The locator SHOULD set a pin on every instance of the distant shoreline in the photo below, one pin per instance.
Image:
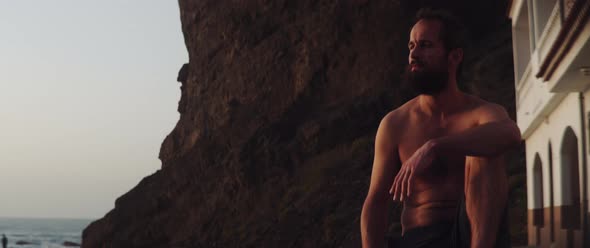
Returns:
(49, 218)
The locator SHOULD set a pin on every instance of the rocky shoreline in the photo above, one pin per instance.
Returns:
(279, 107)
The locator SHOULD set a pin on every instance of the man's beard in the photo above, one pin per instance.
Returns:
(427, 82)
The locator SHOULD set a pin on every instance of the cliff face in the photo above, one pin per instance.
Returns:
(279, 108)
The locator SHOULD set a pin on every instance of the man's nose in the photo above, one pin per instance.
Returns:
(413, 58)
(414, 55)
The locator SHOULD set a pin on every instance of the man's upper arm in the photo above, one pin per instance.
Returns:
(386, 161)
(491, 112)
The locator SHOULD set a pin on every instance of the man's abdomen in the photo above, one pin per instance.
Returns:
(431, 203)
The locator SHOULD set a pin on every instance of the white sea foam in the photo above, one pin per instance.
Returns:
(42, 233)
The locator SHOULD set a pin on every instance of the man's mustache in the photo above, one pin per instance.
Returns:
(416, 62)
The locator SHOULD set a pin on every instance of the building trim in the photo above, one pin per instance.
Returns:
(540, 234)
(515, 11)
(572, 27)
(551, 104)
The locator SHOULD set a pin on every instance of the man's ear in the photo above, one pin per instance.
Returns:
(456, 55)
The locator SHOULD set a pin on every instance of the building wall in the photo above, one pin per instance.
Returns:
(548, 220)
(549, 111)
(534, 97)
(587, 153)
(552, 130)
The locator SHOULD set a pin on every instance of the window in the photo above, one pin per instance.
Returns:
(531, 10)
(543, 10)
(521, 42)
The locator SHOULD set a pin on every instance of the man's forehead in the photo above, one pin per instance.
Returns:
(426, 30)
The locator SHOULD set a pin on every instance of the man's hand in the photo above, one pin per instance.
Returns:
(416, 164)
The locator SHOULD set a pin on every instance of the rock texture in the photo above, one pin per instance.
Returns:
(279, 108)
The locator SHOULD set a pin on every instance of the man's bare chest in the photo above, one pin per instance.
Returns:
(420, 131)
(447, 170)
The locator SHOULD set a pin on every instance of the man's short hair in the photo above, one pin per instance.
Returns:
(452, 33)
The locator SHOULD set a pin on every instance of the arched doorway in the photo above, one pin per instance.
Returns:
(551, 202)
(538, 218)
(570, 181)
(570, 188)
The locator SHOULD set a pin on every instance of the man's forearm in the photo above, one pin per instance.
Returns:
(486, 198)
(489, 139)
(374, 224)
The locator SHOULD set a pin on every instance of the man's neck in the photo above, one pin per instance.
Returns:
(444, 103)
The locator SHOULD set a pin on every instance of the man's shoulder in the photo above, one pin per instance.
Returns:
(400, 113)
(398, 117)
(483, 111)
(479, 104)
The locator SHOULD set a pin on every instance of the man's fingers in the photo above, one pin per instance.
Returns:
(393, 184)
(410, 177)
(391, 192)
(391, 188)
(397, 184)
(404, 185)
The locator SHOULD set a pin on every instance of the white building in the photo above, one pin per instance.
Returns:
(552, 79)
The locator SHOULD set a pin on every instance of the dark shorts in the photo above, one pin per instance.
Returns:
(452, 234)
(438, 235)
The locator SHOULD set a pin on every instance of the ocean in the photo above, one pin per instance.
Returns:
(42, 233)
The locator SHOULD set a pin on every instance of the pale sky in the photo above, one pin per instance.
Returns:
(88, 93)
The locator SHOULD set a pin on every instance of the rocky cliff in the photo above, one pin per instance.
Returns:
(279, 108)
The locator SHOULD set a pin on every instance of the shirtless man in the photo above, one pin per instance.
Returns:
(440, 153)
